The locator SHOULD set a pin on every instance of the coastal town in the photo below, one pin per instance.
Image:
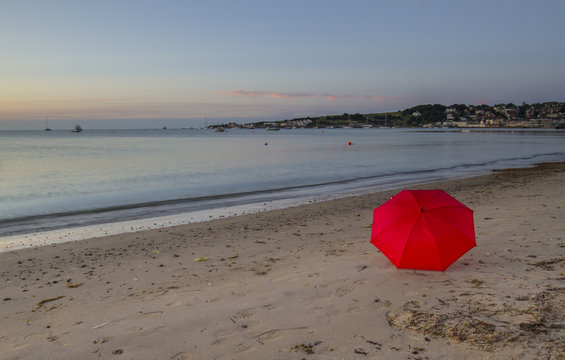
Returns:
(538, 115)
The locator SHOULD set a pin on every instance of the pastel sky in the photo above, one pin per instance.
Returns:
(122, 63)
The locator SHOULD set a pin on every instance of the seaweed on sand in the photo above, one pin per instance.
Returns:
(539, 319)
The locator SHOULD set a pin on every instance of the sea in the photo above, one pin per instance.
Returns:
(61, 186)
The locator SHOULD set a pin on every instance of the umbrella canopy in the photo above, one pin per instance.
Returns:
(423, 229)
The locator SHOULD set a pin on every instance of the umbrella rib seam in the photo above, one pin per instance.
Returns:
(393, 223)
(462, 235)
(447, 206)
(408, 239)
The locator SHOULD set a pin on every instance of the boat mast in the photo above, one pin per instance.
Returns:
(46, 126)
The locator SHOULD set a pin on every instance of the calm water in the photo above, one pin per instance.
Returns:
(60, 179)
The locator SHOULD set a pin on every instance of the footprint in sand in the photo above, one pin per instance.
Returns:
(249, 325)
(412, 305)
(277, 333)
(382, 303)
(130, 319)
(223, 334)
(338, 310)
(239, 349)
(220, 334)
(244, 314)
(315, 310)
(342, 291)
(271, 307)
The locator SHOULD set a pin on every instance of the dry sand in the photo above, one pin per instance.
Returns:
(299, 283)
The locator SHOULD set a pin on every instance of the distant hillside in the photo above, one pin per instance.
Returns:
(538, 115)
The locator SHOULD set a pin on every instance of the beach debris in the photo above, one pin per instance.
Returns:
(377, 345)
(234, 256)
(361, 268)
(72, 286)
(461, 327)
(360, 351)
(54, 306)
(261, 269)
(201, 259)
(102, 325)
(307, 348)
(118, 352)
(416, 349)
(42, 302)
(534, 327)
(476, 282)
(385, 303)
(182, 355)
(548, 264)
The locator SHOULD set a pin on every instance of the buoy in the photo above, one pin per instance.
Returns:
(323, 132)
(266, 144)
(349, 143)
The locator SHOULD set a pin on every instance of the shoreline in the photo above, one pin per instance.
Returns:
(320, 194)
(96, 230)
(288, 282)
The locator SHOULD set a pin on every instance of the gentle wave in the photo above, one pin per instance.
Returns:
(356, 185)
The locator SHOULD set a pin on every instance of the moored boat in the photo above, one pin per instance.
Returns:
(47, 128)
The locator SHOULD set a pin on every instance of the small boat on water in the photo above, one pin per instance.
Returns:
(77, 129)
(47, 126)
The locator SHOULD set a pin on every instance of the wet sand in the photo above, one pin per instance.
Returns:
(302, 282)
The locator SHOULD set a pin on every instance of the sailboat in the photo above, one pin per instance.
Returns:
(47, 126)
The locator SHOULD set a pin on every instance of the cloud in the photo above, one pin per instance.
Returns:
(382, 98)
(284, 95)
(274, 95)
(332, 97)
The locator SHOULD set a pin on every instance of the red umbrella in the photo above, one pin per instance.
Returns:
(423, 229)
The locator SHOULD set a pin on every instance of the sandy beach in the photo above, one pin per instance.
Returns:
(301, 283)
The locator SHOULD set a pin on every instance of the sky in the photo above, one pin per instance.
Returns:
(127, 64)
